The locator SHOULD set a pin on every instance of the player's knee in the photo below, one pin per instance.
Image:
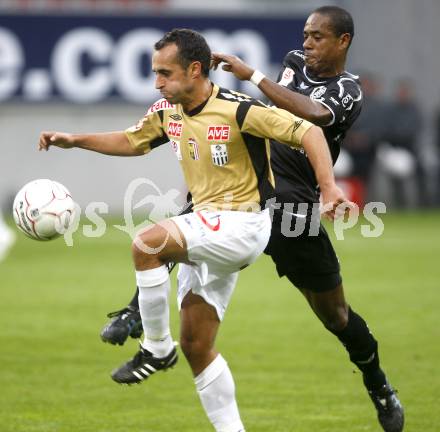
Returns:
(142, 252)
(337, 319)
(193, 348)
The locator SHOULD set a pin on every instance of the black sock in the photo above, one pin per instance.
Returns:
(362, 349)
(134, 303)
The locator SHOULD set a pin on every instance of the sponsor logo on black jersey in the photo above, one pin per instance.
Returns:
(318, 92)
(287, 77)
(176, 117)
(218, 133)
(347, 101)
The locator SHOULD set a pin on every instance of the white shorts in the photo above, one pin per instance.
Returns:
(219, 245)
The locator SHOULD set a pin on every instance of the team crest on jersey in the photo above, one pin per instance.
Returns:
(219, 154)
(287, 77)
(175, 129)
(218, 133)
(176, 147)
(160, 105)
(193, 149)
(318, 92)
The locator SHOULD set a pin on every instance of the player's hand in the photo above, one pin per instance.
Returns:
(58, 139)
(334, 203)
(232, 64)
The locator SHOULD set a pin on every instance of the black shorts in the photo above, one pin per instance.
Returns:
(309, 262)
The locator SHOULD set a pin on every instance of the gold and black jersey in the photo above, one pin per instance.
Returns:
(222, 145)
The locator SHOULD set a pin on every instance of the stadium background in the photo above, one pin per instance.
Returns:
(291, 375)
(84, 66)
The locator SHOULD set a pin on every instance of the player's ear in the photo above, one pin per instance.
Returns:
(195, 69)
(345, 40)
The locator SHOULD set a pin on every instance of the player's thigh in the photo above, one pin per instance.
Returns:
(215, 289)
(163, 240)
(309, 262)
(225, 241)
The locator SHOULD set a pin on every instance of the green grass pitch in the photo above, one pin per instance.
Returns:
(291, 375)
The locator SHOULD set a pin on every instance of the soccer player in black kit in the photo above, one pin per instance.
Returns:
(314, 85)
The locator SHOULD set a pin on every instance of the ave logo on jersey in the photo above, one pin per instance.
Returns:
(193, 149)
(318, 92)
(287, 77)
(175, 129)
(218, 133)
(176, 148)
(219, 154)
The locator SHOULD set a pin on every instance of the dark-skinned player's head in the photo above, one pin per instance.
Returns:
(328, 33)
(340, 20)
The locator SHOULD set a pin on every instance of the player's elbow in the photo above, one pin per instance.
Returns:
(319, 117)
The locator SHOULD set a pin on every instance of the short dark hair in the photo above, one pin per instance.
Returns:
(191, 47)
(340, 20)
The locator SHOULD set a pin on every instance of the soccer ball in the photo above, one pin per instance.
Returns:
(43, 209)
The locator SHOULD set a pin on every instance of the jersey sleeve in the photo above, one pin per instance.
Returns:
(339, 98)
(274, 123)
(148, 133)
(291, 62)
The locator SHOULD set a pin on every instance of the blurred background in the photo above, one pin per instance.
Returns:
(84, 65)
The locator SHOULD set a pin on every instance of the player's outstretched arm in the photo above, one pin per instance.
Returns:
(334, 201)
(298, 104)
(110, 143)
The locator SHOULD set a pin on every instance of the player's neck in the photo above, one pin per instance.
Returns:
(332, 70)
(200, 95)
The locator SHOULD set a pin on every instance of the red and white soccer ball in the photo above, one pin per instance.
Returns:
(43, 209)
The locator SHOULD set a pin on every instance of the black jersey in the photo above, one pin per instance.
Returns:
(294, 176)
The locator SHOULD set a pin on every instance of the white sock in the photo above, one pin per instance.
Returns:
(154, 287)
(216, 389)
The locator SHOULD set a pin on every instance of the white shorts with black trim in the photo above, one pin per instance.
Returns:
(219, 245)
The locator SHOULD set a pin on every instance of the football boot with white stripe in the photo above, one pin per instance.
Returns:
(388, 407)
(142, 366)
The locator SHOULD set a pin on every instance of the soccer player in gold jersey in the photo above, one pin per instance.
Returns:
(221, 139)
